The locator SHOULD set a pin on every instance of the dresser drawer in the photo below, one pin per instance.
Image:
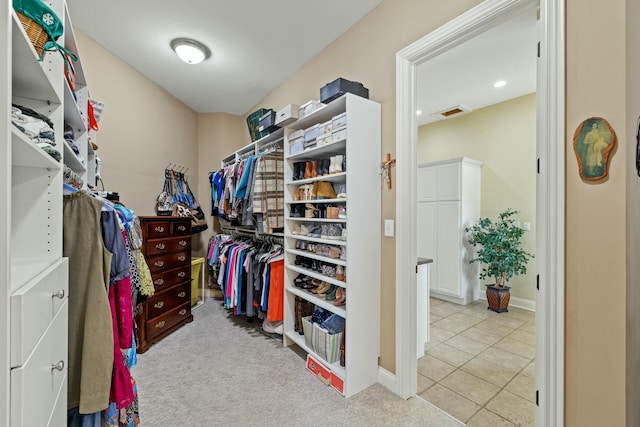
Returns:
(33, 307)
(163, 246)
(168, 261)
(157, 229)
(171, 318)
(181, 228)
(165, 279)
(164, 301)
(36, 385)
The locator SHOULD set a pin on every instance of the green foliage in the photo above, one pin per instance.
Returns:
(500, 252)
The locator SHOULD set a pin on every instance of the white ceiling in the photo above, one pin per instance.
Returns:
(259, 44)
(464, 75)
(256, 44)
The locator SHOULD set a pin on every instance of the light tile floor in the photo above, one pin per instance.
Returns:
(479, 365)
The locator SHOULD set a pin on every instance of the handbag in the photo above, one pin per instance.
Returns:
(164, 201)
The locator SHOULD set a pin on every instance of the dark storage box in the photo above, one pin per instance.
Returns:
(339, 87)
(253, 123)
(267, 122)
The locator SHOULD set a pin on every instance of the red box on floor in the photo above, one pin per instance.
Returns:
(325, 374)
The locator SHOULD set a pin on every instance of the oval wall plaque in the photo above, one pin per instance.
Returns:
(593, 140)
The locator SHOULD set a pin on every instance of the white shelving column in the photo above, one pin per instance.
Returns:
(361, 145)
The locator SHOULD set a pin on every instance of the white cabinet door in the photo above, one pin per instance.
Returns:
(448, 276)
(427, 184)
(428, 236)
(449, 181)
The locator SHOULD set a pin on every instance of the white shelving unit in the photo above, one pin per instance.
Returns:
(34, 284)
(363, 223)
(449, 201)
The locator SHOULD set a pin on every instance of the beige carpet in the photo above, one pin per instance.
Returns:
(222, 371)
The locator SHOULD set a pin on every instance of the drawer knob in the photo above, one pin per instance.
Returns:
(159, 229)
(182, 258)
(158, 263)
(59, 294)
(58, 366)
(182, 243)
(182, 227)
(159, 282)
(160, 324)
(182, 312)
(159, 304)
(182, 274)
(160, 246)
(182, 294)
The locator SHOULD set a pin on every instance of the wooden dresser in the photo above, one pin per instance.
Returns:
(167, 249)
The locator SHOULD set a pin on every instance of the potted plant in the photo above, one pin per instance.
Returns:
(500, 254)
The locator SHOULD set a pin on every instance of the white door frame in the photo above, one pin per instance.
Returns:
(549, 201)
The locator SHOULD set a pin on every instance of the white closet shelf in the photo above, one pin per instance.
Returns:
(328, 201)
(25, 269)
(72, 160)
(322, 258)
(72, 114)
(30, 79)
(320, 151)
(328, 220)
(25, 152)
(318, 276)
(316, 239)
(299, 340)
(336, 177)
(319, 302)
(70, 45)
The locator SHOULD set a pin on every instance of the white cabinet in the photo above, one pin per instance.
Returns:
(449, 201)
(34, 275)
(358, 149)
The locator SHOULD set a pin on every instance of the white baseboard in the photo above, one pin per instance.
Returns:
(388, 379)
(525, 304)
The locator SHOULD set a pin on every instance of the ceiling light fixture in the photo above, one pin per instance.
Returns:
(190, 51)
(499, 83)
(418, 112)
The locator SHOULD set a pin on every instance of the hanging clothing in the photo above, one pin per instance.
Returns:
(90, 324)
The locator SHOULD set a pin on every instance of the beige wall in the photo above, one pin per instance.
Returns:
(633, 217)
(595, 220)
(366, 53)
(143, 129)
(503, 138)
(219, 135)
(152, 129)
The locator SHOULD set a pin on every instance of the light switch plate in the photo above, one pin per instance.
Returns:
(388, 227)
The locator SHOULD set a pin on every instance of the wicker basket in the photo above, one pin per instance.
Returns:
(36, 33)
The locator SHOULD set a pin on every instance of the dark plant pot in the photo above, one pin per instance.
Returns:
(498, 298)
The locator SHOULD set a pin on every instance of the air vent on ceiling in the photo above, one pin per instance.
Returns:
(451, 112)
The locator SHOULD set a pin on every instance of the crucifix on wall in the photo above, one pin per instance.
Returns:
(386, 170)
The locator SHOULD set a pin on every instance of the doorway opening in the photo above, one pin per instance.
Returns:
(475, 160)
(549, 216)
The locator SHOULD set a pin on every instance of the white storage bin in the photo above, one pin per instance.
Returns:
(308, 108)
(324, 139)
(326, 127)
(311, 133)
(339, 121)
(339, 135)
(287, 115)
(296, 146)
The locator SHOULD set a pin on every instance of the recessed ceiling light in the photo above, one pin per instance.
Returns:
(499, 83)
(418, 112)
(190, 51)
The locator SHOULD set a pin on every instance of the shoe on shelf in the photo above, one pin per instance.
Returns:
(343, 253)
(322, 290)
(307, 170)
(340, 273)
(341, 297)
(338, 164)
(315, 231)
(331, 293)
